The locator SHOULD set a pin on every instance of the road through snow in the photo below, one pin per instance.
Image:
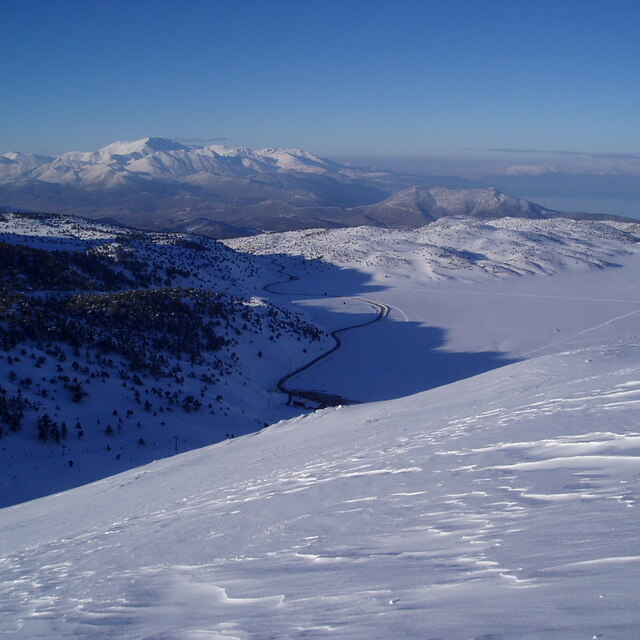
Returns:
(318, 399)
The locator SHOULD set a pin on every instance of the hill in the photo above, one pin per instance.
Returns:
(460, 248)
(492, 472)
(119, 347)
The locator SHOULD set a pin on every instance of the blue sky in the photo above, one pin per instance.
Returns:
(349, 77)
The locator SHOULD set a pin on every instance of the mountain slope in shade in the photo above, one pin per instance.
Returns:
(503, 506)
(118, 347)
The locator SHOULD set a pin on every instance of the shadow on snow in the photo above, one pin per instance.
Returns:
(386, 360)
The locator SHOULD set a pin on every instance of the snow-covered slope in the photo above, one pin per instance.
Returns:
(118, 347)
(632, 228)
(503, 506)
(130, 391)
(458, 247)
(473, 297)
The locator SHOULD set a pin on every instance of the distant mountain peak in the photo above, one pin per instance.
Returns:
(143, 145)
(418, 205)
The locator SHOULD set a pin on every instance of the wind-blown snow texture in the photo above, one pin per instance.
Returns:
(504, 506)
(501, 506)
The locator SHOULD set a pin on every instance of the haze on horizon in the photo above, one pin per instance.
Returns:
(544, 94)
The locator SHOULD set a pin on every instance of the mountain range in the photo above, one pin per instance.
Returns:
(164, 185)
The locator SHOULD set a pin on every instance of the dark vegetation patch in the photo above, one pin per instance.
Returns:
(138, 324)
(24, 268)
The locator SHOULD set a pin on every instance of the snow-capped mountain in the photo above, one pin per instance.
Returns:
(416, 206)
(162, 184)
(156, 159)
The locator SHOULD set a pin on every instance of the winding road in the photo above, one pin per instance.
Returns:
(303, 397)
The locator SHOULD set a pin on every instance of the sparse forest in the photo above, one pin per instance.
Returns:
(118, 332)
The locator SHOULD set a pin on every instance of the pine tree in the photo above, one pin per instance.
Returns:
(44, 425)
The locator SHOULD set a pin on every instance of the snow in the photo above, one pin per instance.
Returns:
(460, 248)
(235, 385)
(499, 503)
(455, 317)
(500, 506)
(159, 158)
(142, 146)
(434, 201)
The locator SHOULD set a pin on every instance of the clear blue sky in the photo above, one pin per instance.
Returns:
(349, 77)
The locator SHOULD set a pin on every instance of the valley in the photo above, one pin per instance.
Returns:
(490, 371)
(319, 320)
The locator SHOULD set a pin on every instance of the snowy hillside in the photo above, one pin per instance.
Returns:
(120, 347)
(472, 298)
(487, 489)
(503, 506)
(454, 248)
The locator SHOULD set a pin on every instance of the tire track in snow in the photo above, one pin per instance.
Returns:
(584, 331)
(514, 295)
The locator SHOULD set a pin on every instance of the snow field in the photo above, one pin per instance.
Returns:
(501, 506)
(469, 511)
